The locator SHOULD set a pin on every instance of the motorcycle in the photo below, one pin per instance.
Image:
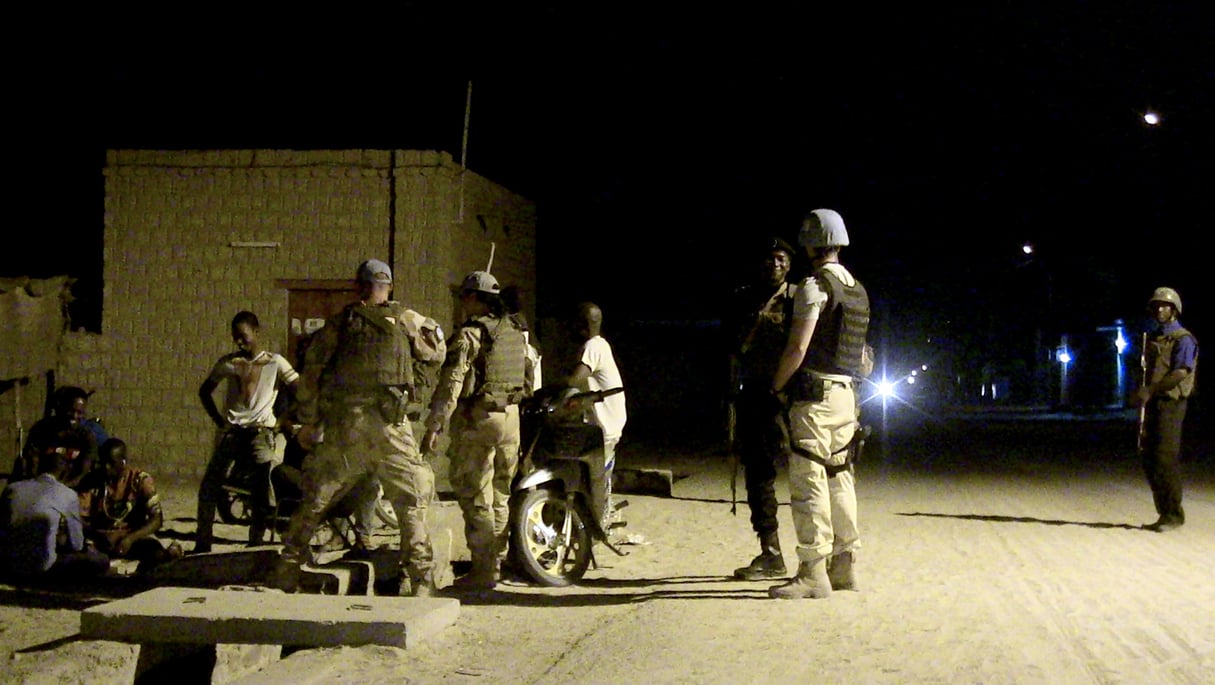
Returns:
(559, 501)
(236, 507)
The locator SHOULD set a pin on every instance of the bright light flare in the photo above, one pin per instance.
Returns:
(1151, 118)
(885, 388)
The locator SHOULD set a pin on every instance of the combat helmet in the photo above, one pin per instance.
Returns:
(481, 281)
(1166, 295)
(823, 228)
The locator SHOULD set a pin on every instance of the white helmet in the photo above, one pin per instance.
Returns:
(1167, 295)
(823, 228)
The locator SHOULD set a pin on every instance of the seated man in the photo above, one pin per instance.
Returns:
(41, 530)
(65, 432)
(122, 509)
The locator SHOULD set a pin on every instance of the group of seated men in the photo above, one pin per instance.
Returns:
(72, 502)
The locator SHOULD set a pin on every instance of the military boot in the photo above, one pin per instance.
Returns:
(839, 570)
(811, 582)
(769, 564)
(483, 576)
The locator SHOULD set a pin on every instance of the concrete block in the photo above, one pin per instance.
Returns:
(187, 664)
(251, 566)
(202, 616)
(341, 577)
(248, 566)
(657, 482)
(307, 667)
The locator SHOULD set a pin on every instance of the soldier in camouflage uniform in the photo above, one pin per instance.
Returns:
(479, 390)
(356, 378)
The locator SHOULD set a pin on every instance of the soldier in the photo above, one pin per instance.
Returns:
(353, 390)
(480, 386)
(1170, 362)
(823, 357)
(757, 324)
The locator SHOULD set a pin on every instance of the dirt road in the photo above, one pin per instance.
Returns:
(998, 553)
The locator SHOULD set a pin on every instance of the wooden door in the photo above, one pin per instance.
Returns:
(308, 304)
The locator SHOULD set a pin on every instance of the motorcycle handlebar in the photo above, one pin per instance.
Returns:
(558, 401)
(595, 395)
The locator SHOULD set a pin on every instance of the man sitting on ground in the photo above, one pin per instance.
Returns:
(122, 509)
(41, 530)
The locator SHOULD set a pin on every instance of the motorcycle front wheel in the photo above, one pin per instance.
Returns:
(236, 506)
(543, 551)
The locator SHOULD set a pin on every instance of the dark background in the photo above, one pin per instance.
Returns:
(662, 146)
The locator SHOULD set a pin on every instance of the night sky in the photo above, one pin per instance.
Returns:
(676, 141)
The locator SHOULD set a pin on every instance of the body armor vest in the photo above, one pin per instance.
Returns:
(838, 343)
(501, 367)
(372, 352)
(1159, 362)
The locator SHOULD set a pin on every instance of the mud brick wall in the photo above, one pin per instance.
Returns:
(192, 237)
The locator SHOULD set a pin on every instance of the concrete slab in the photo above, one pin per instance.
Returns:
(658, 482)
(202, 616)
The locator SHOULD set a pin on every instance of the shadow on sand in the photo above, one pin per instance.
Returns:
(1023, 519)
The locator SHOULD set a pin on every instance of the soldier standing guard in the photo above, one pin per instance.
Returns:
(823, 357)
(758, 324)
(1170, 362)
(355, 383)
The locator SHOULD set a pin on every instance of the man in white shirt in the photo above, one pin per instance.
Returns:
(247, 426)
(596, 370)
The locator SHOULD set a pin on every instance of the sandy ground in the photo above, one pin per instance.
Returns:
(993, 553)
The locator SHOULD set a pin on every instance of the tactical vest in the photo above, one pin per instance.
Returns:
(838, 343)
(372, 351)
(501, 367)
(1160, 356)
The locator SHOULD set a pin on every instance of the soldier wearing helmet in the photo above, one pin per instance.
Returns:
(483, 379)
(822, 360)
(354, 388)
(757, 323)
(1170, 361)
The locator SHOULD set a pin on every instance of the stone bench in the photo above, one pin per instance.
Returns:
(189, 635)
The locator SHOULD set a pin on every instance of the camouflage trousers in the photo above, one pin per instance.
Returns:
(359, 443)
(484, 457)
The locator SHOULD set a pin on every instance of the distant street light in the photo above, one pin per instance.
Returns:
(1151, 118)
(1063, 355)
